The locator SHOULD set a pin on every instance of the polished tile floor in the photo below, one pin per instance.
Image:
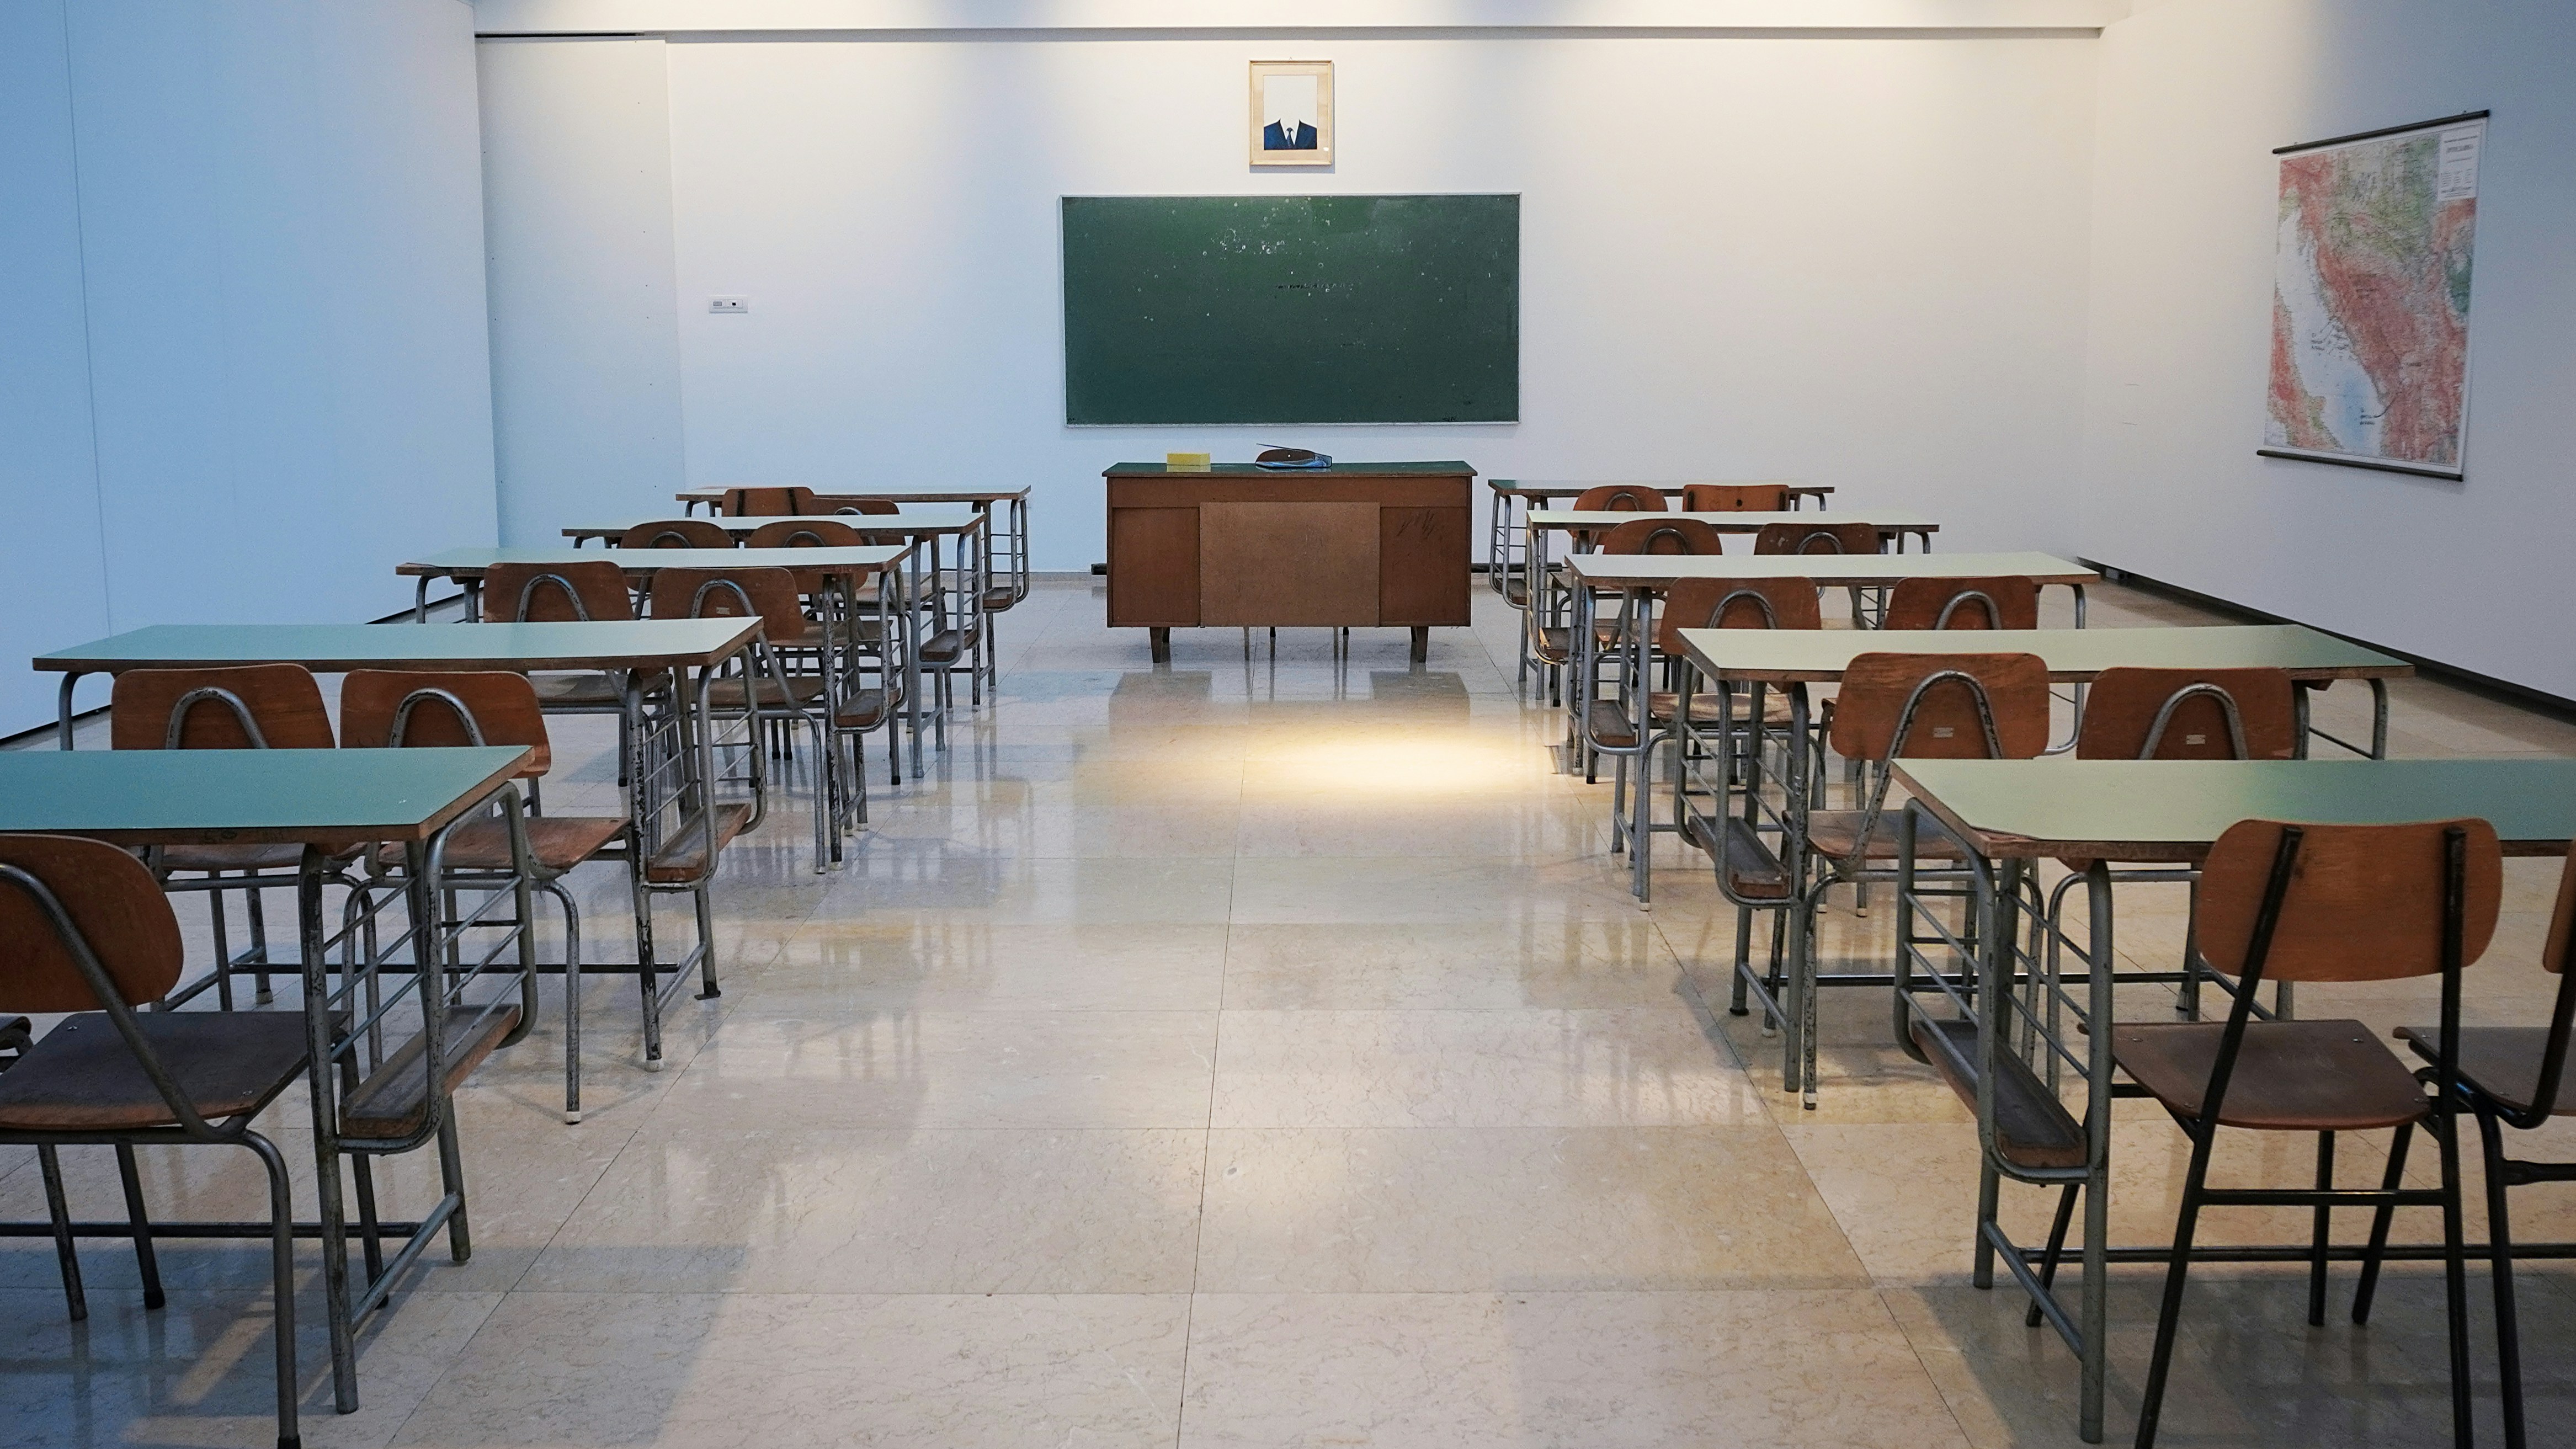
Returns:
(1252, 1053)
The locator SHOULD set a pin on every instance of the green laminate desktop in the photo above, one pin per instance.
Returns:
(1593, 520)
(473, 563)
(1817, 656)
(1541, 489)
(326, 798)
(1829, 570)
(2160, 810)
(1451, 468)
(909, 520)
(338, 648)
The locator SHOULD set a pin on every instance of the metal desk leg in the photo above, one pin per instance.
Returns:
(1578, 693)
(912, 652)
(1641, 835)
(63, 710)
(2378, 718)
(326, 1125)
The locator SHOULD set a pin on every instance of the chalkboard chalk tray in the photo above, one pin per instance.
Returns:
(1291, 309)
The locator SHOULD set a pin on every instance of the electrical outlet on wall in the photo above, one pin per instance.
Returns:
(729, 304)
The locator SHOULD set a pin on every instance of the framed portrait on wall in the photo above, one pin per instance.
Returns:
(1292, 113)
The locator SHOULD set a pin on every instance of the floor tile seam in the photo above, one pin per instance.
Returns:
(1914, 1346)
(430, 1390)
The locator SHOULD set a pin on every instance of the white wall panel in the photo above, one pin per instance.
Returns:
(2195, 94)
(280, 207)
(585, 355)
(49, 552)
(1859, 261)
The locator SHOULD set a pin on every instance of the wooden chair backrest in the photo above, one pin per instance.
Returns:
(722, 593)
(114, 904)
(767, 502)
(870, 505)
(2365, 902)
(2120, 712)
(1620, 498)
(2562, 921)
(1663, 535)
(1736, 604)
(805, 533)
(1817, 537)
(502, 705)
(520, 593)
(1871, 704)
(1735, 498)
(1918, 603)
(284, 702)
(677, 533)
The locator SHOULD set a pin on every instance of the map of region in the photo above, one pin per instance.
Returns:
(2370, 301)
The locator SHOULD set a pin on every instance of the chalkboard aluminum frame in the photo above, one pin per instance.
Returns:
(1083, 410)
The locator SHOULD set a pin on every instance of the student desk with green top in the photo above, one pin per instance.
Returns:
(1792, 660)
(911, 520)
(1639, 577)
(1006, 541)
(909, 614)
(2012, 1050)
(328, 801)
(1521, 495)
(680, 826)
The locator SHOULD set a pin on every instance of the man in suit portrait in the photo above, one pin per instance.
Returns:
(1290, 100)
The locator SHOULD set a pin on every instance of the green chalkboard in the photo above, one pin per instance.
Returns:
(1291, 309)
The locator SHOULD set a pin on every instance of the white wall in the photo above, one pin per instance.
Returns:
(585, 354)
(51, 551)
(1858, 261)
(274, 215)
(2195, 94)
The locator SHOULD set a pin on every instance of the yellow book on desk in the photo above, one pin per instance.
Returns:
(1187, 462)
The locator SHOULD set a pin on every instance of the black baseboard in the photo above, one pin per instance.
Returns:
(2469, 679)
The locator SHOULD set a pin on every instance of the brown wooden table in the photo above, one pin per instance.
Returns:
(1353, 545)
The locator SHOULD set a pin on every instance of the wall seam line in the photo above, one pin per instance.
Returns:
(89, 338)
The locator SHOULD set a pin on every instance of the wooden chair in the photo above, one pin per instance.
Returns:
(677, 533)
(85, 929)
(1735, 498)
(1818, 537)
(769, 502)
(1664, 536)
(2177, 714)
(2510, 1076)
(1891, 707)
(858, 710)
(2003, 602)
(766, 692)
(2290, 902)
(521, 593)
(237, 707)
(400, 709)
(1621, 498)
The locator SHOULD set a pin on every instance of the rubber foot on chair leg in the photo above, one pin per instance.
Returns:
(263, 997)
(1739, 1011)
(571, 1117)
(711, 993)
(652, 1064)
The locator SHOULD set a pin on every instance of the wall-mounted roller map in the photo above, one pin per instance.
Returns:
(2370, 299)
(1291, 309)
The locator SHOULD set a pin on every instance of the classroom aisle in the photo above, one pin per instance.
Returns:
(1242, 1053)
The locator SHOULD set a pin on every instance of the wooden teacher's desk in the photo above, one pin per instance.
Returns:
(1373, 544)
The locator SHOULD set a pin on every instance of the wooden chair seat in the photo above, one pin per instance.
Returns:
(83, 1077)
(232, 857)
(1836, 833)
(1000, 597)
(393, 1101)
(1753, 871)
(802, 688)
(864, 710)
(1608, 723)
(2032, 1127)
(683, 857)
(1555, 644)
(946, 646)
(2302, 1076)
(1706, 707)
(2501, 1061)
(578, 691)
(1516, 593)
(559, 842)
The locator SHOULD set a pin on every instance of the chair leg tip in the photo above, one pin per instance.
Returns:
(572, 1117)
(652, 1064)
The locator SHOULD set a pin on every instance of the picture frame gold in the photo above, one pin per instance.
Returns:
(1292, 113)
